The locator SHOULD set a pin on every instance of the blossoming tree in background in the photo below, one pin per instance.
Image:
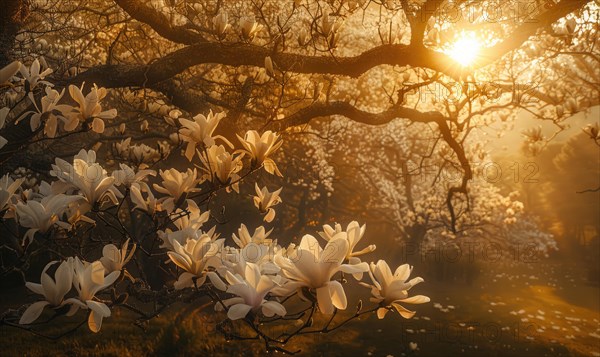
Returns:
(132, 133)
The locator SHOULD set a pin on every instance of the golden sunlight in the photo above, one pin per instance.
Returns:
(465, 50)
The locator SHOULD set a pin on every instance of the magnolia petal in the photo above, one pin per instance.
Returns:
(36, 288)
(335, 251)
(324, 300)
(190, 150)
(33, 312)
(180, 260)
(402, 272)
(99, 308)
(98, 125)
(338, 296)
(271, 308)
(95, 321)
(64, 279)
(269, 216)
(50, 127)
(238, 311)
(417, 299)
(407, 314)
(381, 312)
(216, 281)
(354, 268)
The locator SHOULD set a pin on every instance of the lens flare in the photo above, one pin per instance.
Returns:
(465, 50)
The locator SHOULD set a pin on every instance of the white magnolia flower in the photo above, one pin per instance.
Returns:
(303, 37)
(33, 75)
(353, 234)
(249, 27)
(7, 72)
(188, 225)
(149, 204)
(53, 290)
(261, 147)
(329, 26)
(177, 185)
(259, 237)
(8, 187)
(251, 289)
(89, 109)
(221, 165)
(88, 280)
(391, 290)
(269, 66)
(50, 111)
(114, 259)
(88, 177)
(220, 24)
(41, 216)
(138, 154)
(200, 131)
(265, 201)
(313, 267)
(195, 256)
(127, 176)
(235, 260)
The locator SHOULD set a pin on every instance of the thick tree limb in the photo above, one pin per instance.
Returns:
(316, 110)
(159, 23)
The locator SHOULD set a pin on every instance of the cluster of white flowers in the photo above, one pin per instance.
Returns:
(259, 273)
(49, 113)
(87, 278)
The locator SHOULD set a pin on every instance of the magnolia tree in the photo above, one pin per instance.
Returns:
(128, 126)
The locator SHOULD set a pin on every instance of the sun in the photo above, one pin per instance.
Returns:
(465, 50)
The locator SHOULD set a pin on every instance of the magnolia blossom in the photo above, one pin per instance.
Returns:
(259, 237)
(89, 109)
(136, 153)
(40, 216)
(50, 111)
(220, 24)
(149, 204)
(261, 147)
(188, 226)
(265, 200)
(353, 234)
(200, 131)
(8, 187)
(87, 176)
(235, 260)
(219, 164)
(195, 256)
(269, 66)
(114, 259)
(53, 290)
(177, 185)
(33, 75)
(127, 176)
(391, 290)
(313, 267)
(249, 28)
(88, 280)
(251, 289)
